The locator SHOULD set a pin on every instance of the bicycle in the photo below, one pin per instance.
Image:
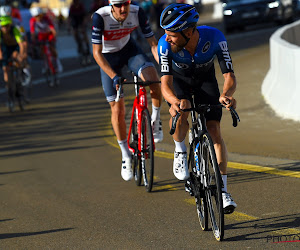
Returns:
(84, 56)
(140, 134)
(205, 177)
(17, 88)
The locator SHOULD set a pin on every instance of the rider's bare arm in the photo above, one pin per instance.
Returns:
(169, 93)
(102, 62)
(52, 30)
(229, 88)
(22, 52)
(153, 44)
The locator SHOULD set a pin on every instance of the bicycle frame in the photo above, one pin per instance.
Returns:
(140, 103)
(15, 88)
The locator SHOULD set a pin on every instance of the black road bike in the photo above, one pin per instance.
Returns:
(18, 89)
(205, 177)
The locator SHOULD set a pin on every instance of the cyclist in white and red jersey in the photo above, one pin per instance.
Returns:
(42, 30)
(113, 48)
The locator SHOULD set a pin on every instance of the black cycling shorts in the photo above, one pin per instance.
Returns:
(206, 92)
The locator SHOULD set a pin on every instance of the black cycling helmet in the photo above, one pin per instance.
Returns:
(178, 17)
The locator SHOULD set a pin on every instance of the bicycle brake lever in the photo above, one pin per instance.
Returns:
(174, 121)
(118, 93)
(235, 117)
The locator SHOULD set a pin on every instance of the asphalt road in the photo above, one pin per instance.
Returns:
(61, 188)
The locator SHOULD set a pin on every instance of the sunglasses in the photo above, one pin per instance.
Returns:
(119, 5)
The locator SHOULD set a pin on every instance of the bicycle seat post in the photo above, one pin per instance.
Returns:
(135, 79)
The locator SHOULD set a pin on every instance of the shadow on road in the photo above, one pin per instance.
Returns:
(17, 235)
(281, 225)
(57, 120)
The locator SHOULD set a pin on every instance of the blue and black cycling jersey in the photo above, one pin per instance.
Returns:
(200, 66)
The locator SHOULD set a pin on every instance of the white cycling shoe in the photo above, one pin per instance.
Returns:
(157, 131)
(126, 170)
(180, 166)
(228, 203)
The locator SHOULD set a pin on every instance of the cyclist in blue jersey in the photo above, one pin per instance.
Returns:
(186, 53)
(113, 48)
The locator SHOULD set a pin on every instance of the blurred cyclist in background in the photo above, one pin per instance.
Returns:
(6, 11)
(11, 46)
(77, 20)
(97, 4)
(42, 30)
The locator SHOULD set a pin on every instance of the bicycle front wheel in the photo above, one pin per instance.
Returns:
(201, 205)
(137, 169)
(213, 188)
(147, 150)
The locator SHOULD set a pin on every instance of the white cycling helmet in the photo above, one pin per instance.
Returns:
(36, 11)
(117, 1)
(5, 10)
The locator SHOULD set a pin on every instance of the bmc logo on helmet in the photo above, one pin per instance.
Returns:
(178, 27)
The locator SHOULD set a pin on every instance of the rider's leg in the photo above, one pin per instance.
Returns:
(5, 74)
(55, 55)
(182, 125)
(86, 40)
(119, 126)
(150, 74)
(221, 152)
(180, 166)
(117, 113)
(118, 119)
(214, 130)
(78, 41)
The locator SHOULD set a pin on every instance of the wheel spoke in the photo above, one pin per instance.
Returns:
(147, 148)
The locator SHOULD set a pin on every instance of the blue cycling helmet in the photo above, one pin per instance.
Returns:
(178, 17)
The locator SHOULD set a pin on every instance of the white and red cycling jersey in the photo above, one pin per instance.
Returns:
(42, 29)
(114, 35)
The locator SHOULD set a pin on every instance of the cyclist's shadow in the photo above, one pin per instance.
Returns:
(262, 228)
(167, 186)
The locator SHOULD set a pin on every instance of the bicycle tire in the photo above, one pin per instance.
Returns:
(20, 95)
(213, 190)
(137, 169)
(11, 90)
(19, 88)
(199, 193)
(27, 89)
(147, 150)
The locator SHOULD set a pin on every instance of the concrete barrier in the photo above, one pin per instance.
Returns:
(281, 86)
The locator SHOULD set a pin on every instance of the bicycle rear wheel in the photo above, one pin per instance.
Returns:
(147, 150)
(213, 188)
(137, 169)
(11, 90)
(199, 193)
(20, 95)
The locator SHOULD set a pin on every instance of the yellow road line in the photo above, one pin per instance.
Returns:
(165, 187)
(235, 165)
(267, 170)
(287, 231)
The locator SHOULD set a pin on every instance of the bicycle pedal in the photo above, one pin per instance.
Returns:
(188, 188)
(229, 210)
